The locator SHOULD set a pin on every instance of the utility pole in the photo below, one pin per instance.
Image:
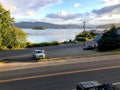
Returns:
(84, 25)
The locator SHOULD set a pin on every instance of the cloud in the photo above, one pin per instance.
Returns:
(111, 2)
(77, 5)
(65, 16)
(105, 20)
(109, 13)
(27, 7)
(108, 10)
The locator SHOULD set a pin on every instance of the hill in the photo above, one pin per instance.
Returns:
(46, 25)
(108, 26)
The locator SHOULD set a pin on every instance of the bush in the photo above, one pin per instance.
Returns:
(44, 44)
(3, 48)
(41, 44)
(84, 36)
(55, 43)
(29, 44)
(107, 44)
(109, 41)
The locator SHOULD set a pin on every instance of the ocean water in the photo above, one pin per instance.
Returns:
(49, 35)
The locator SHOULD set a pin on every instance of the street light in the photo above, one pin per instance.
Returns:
(84, 26)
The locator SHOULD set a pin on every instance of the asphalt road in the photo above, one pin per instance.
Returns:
(60, 77)
(51, 51)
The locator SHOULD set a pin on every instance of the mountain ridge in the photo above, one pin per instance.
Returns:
(108, 26)
(31, 25)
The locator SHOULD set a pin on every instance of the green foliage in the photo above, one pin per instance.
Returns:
(18, 38)
(44, 44)
(35, 45)
(29, 44)
(111, 33)
(3, 48)
(93, 34)
(54, 43)
(110, 40)
(84, 36)
(39, 44)
(10, 36)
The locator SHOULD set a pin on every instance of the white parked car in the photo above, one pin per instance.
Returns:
(37, 54)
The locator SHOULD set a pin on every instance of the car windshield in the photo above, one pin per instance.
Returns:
(38, 51)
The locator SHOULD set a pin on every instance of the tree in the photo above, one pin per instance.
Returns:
(18, 39)
(5, 26)
(84, 36)
(110, 40)
(8, 32)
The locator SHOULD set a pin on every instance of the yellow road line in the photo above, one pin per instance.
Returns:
(56, 74)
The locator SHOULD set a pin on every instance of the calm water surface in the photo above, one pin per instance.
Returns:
(49, 35)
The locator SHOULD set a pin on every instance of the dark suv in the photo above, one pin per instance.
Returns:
(93, 85)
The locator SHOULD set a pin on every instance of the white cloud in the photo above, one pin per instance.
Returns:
(77, 5)
(105, 20)
(109, 13)
(31, 12)
(8, 5)
(61, 21)
(27, 7)
(62, 14)
(111, 2)
(26, 10)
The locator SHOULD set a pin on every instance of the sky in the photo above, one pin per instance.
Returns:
(94, 12)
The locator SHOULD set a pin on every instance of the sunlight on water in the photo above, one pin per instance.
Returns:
(50, 35)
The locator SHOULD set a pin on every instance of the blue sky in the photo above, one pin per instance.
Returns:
(94, 12)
